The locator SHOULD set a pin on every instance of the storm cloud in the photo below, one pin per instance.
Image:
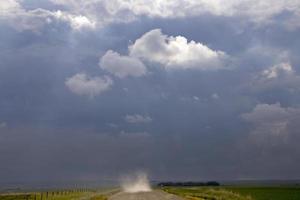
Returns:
(183, 90)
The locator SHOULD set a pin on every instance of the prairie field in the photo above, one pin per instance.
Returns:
(185, 193)
(91, 195)
(237, 193)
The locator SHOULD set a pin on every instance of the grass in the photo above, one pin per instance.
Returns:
(269, 193)
(99, 197)
(205, 193)
(65, 196)
(236, 193)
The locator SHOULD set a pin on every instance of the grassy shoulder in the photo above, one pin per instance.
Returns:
(50, 196)
(266, 193)
(99, 197)
(205, 193)
(236, 193)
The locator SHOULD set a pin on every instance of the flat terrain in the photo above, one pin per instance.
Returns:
(237, 193)
(266, 193)
(169, 193)
(154, 195)
(64, 196)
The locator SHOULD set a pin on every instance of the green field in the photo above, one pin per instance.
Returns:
(189, 193)
(236, 193)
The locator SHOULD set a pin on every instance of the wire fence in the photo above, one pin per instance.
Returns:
(44, 195)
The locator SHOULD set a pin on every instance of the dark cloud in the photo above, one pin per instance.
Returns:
(174, 124)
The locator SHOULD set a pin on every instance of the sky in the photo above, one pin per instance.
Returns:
(182, 90)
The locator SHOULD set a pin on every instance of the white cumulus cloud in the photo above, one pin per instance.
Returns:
(91, 13)
(77, 22)
(8, 7)
(280, 76)
(137, 118)
(12, 13)
(122, 66)
(255, 11)
(277, 70)
(82, 84)
(176, 52)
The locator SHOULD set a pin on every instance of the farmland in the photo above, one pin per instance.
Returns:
(188, 193)
(236, 193)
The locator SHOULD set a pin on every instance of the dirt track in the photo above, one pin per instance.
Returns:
(154, 195)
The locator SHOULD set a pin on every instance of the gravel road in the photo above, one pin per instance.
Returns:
(154, 195)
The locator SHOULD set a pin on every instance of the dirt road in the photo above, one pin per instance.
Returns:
(154, 195)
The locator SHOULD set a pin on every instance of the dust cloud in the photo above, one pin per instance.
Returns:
(138, 182)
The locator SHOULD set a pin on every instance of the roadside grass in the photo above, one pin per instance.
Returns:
(40, 196)
(269, 193)
(236, 193)
(205, 193)
(99, 197)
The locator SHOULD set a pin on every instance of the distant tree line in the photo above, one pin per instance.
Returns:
(189, 183)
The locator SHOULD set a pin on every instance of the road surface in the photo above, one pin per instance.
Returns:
(154, 195)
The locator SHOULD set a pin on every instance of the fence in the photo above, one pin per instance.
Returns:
(44, 195)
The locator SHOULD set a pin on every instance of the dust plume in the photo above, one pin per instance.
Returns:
(137, 182)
